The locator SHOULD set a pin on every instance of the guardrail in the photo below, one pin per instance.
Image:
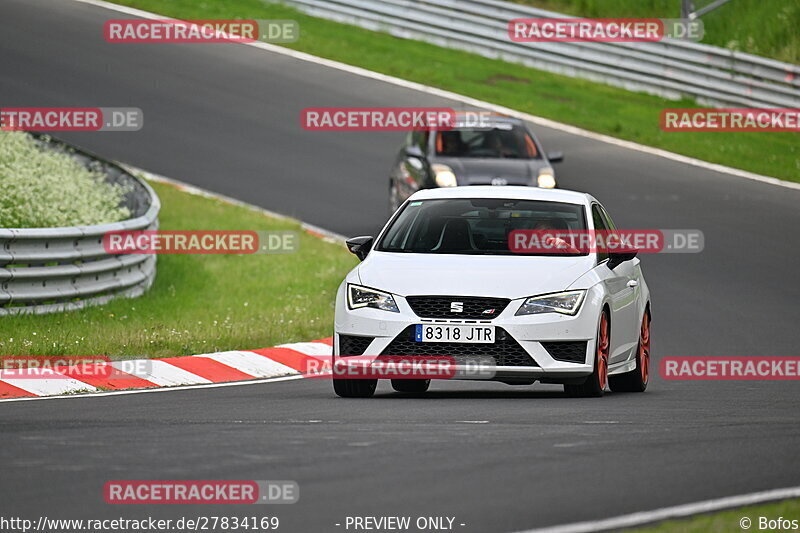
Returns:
(45, 270)
(672, 68)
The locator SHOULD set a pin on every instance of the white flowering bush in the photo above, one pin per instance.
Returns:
(41, 188)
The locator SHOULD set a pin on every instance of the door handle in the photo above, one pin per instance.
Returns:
(633, 283)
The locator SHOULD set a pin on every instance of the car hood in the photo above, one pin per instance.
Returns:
(479, 171)
(499, 276)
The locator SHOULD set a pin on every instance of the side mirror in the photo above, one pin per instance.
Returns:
(360, 246)
(615, 259)
(555, 157)
(414, 151)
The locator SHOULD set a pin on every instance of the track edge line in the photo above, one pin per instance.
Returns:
(668, 513)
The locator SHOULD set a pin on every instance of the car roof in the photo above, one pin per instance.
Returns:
(509, 192)
(491, 118)
(494, 117)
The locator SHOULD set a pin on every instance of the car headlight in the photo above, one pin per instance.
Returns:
(546, 180)
(358, 297)
(445, 177)
(566, 303)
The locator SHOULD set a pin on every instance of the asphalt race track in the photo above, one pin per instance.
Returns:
(497, 458)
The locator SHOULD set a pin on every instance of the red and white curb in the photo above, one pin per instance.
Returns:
(221, 367)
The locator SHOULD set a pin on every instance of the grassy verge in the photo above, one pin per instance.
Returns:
(766, 28)
(729, 521)
(201, 303)
(596, 107)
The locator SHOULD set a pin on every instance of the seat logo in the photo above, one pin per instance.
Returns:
(456, 307)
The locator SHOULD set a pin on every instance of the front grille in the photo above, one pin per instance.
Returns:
(570, 352)
(442, 306)
(505, 350)
(352, 345)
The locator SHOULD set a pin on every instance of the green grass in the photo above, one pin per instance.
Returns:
(767, 28)
(44, 188)
(596, 107)
(728, 521)
(201, 303)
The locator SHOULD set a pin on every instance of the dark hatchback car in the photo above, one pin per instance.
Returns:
(502, 151)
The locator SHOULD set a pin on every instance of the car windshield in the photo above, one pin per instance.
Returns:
(499, 141)
(475, 226)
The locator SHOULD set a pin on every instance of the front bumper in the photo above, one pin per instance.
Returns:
(528, 347)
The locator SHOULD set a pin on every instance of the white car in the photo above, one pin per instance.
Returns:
(440, 280)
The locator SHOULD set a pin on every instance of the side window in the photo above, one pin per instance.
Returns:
(599, 224)
(607, 218)
(470, 136)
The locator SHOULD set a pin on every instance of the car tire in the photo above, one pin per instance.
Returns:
(355, 388)
(595, 384)
(636, 380)
(411, 386)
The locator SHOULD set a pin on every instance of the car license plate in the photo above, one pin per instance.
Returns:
(454, 333)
